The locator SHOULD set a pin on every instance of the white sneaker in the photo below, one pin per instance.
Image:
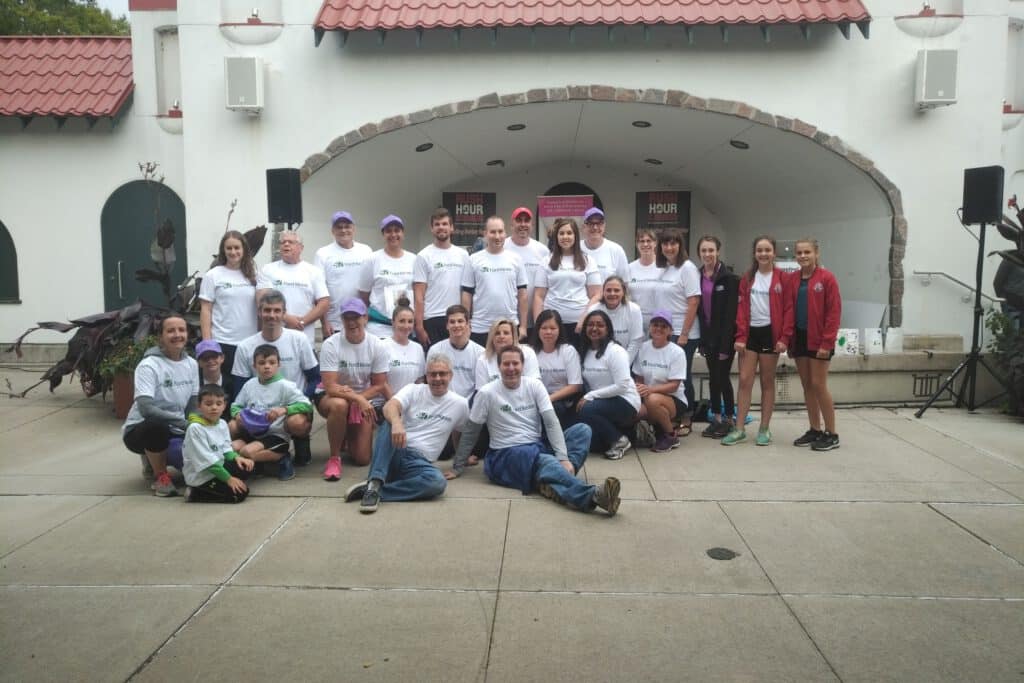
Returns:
(618, 449)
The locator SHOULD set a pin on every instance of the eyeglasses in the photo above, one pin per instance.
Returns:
(593, 224)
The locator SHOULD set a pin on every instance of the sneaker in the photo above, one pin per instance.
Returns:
(371, 500)
(709, 431)
(764, 437)
(302, 454)
(163, 486)
(665, 443)
(188, 494)
(606, 496)
(735, 435)
(645, 437)
(332, 470)
(355, 491)
(545, 490)
(618, 449)
(809, 437)
(285, 468)
(723, 428)
(826, 442)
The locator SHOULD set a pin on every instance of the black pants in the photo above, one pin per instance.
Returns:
(720, 385)
(216, 491)
(150, 435)
(437, 329)
(479, 337)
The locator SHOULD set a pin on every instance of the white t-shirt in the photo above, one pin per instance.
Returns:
(609, 376)
(429, 419)
(512, 415)
(689, 276)
(656, 366)
(386, 279)
(487, 368)
(354, 363)
(441, 270)
(560, 368)
(341, 269)
(627, 324)
(405, 363)
(495, 280)
(610, 259)
(293, 348)
(567, 287)
(234, 304)
(646, 288)
(463, 364)
(534, 256)
(204, 447)
(760, 308)
(301, 283)
(170, 383)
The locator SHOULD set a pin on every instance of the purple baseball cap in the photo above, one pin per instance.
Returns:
(662, 314)
(208, 346)
(389, 219)
(353, 305)
(341, 216)
(591, 212)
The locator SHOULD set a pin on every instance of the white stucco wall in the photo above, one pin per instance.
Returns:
(859, 90)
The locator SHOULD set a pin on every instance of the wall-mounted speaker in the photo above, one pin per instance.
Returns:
(983, 195)
(284, 196)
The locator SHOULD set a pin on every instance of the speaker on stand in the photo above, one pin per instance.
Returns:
(284, 201)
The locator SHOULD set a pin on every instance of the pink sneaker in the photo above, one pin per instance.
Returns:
(332, 471)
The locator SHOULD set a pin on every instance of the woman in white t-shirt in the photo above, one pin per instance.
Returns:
(406, 362)
(570, 282)
(659, 371)
(611, 401)
(626, 317)
(681, 297)
(502, 334)
(559, 366)
(764, 325)
(646, 283)
(227, 298)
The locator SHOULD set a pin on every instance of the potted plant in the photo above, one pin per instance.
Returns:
(117, 368)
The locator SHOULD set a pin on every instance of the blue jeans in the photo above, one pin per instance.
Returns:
(573, 491)
(609, 418)
(407, 474)
(577, 443)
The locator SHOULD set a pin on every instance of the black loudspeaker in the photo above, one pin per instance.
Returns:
(983, 195)
(284, 196)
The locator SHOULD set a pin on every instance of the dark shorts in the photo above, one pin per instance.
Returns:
(759, 339)
(800, 349)
(270, 442)
(680, 406)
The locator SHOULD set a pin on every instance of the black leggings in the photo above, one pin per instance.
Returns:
(149, 435)
(216, 491)
(720, 385)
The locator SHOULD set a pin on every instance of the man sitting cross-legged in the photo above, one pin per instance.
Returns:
(418, 421)
(513, 408)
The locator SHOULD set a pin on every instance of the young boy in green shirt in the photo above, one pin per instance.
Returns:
(213, 471)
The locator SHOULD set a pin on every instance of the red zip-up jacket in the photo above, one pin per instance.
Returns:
(824, 307)
(780, 308)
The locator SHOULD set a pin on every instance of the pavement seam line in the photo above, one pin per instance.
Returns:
(41, 417)
(789, 608)
(217, 591)
(497, 592)
(975, 534)
(54, 528)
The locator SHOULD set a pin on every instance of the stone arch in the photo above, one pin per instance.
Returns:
(669, 98)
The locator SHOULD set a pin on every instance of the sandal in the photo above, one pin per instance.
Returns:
(683, 430)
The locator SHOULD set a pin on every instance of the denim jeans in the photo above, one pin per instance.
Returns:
(609, 418)
(577, 444)
(407, 475)
(573, 491)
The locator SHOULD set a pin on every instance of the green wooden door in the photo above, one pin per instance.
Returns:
(127, 225)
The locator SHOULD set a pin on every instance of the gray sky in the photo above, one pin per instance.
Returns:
(116, 7)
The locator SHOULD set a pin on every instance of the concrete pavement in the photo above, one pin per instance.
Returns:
(899, 557)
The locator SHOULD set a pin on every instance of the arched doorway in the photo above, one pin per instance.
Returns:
(8, 268)
(127, 226)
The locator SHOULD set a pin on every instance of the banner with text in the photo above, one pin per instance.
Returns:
(663, 209)
(469, 212)
(563, 206)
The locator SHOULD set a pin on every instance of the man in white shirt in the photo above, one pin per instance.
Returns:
(437, 280)
(461, 350)
(513, 408)
(532, 253)
(418, 421)
(494, 285)
(341, 262)
(609, 256)
(302, 284)
(298, 364)
(386, 277)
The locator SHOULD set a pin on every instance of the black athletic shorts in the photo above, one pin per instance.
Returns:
(759, 339)
(800, 349)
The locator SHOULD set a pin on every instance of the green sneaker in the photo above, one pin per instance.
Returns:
(764, 437)
(735, 436)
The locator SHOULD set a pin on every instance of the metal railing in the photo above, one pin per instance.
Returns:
(930, 273)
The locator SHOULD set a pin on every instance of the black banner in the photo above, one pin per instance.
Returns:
(469, 211)
(664, 209)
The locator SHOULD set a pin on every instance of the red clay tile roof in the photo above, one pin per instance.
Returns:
(64, 76)
(406, 14)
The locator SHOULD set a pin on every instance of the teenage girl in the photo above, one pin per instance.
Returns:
(718, 293)
(817, 306)
(764, 326)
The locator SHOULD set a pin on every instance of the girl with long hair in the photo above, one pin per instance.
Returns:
(813, 293)
(718, 293)
(764, 325)
(611, 401)
(570, 281)
(559, 365)
(681, 297)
